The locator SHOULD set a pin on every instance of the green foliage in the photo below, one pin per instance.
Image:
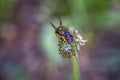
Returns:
(98, 6)
(6, 9)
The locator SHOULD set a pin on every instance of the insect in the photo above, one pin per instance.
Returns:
(69, 40)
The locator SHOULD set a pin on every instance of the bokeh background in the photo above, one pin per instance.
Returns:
(28, 45)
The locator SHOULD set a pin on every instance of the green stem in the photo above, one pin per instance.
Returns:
(75, 67)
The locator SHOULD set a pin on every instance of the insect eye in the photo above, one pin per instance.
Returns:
(59, 28)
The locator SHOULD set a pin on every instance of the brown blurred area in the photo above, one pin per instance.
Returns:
(19, 43)
(102, 61)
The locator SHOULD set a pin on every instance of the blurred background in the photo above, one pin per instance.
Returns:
(28, 45)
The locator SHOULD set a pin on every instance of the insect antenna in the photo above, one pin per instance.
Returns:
(53, 25)
(60, 21)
